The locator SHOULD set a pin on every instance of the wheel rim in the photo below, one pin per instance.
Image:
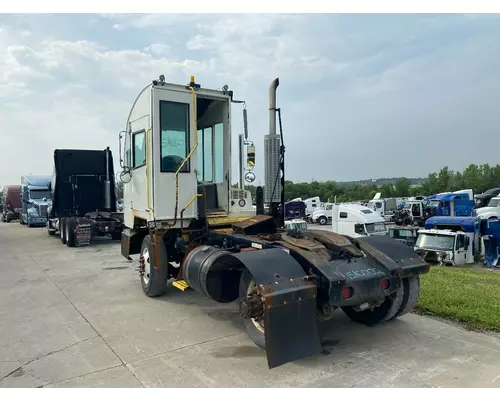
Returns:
(257, 324)
(147, 266)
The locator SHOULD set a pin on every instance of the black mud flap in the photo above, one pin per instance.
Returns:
(290, 322)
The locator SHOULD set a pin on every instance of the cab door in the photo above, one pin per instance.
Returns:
(173, 139)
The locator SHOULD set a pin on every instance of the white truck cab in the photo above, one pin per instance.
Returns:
(450, 240)
(322, 215)
(296, 224)
(446, 247)
(179, 136)
(356, 221)
(491, 211)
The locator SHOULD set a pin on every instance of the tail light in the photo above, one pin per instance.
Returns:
(347, 292)
(385, 283)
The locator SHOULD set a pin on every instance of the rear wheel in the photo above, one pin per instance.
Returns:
(62, 230)
(411, 293)
(70, 232)
(153, 281)
(254, 327)
(386, 311)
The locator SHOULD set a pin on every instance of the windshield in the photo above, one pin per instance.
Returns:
(375, 228)
(401, 233)
(494, 203)
(434, 203)
(39, 194)
(436, 242)
(407, 206)
(301, 226)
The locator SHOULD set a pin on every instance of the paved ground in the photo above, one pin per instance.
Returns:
(78, 317)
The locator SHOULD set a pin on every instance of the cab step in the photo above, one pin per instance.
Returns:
(181, 285)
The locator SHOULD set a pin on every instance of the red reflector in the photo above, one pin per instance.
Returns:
(346, 292)
(385, 284)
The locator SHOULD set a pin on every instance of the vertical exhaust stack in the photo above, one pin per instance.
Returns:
(107, 184)
(272, 155)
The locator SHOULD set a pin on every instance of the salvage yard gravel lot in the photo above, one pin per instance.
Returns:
(77, 317)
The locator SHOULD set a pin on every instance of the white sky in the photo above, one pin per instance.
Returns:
(362, 96)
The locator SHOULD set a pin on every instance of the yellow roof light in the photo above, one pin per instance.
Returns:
(191, 80)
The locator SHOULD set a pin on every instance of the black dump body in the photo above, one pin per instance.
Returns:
(78, 184)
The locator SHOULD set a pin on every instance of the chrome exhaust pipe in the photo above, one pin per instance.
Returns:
(272, 106)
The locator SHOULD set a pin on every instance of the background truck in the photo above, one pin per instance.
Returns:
(355, 221)
(183, 227)
(11, 202)
(322, 215)
(384, 207)
(482, 200)
(35, 200)
(491, 210)
(450, 240)
(83, 197)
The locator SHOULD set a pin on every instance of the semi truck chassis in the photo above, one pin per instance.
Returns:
(284, 282)
(79, 231)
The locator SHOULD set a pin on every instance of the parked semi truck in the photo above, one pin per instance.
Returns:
(11, 202)
(83, 197)
(184, 228)
(35, 200)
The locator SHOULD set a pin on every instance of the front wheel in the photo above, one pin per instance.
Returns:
(254, 326)
(322, 220)
(153, 281)
(70, 232)
(62, 230)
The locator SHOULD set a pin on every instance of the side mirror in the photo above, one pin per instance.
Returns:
(125, 176)
(251, 156)
(467, 242)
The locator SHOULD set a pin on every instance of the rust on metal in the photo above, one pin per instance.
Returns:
(334, 241)
(156, 241)
(269, 237)
(260, 224)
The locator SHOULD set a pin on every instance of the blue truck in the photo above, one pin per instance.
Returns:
(35, 199)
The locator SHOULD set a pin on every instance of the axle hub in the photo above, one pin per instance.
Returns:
(252, 306)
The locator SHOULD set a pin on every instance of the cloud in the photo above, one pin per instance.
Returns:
(361, 96)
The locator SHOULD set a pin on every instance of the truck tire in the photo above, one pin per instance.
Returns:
(322, 220)
(62, 230)
(411, 293)
(386, 311)
(70, 226)
(21, 220)
(254, 329)
(153, 281)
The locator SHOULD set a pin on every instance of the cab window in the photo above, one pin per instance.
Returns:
(139, 140)
(174, 136)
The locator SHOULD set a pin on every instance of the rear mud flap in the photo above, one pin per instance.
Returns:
(291, 329)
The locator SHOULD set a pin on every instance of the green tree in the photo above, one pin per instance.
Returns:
(402, 187)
